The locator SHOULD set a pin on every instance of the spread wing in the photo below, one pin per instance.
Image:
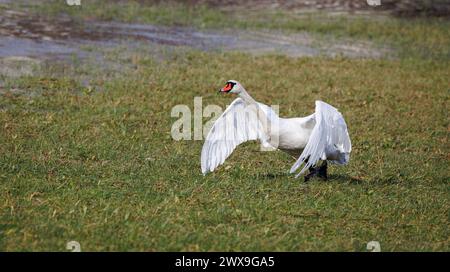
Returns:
(239, 123)
(329, 139)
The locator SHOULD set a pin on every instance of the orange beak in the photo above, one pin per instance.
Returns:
(227, 88)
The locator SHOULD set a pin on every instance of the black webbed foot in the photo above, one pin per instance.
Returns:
(312, 173)
(320, 172)
(323, 171)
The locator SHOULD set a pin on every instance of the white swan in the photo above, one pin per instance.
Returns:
(322, 135)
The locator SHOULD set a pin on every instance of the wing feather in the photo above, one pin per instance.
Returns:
(235, 126)
(329, 139)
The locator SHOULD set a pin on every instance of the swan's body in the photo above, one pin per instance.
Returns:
(319, 136)
(294, 134)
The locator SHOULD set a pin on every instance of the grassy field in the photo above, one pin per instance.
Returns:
(97, 163)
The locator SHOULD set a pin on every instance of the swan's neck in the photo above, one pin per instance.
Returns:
(246, 97)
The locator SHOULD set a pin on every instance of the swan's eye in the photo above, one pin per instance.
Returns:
(228, 87)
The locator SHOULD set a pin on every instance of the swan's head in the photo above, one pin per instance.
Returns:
(232, 86)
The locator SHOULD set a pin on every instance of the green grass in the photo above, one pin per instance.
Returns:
(100, 167)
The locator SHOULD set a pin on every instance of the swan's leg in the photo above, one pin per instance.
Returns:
(320, 172)
(312, 173)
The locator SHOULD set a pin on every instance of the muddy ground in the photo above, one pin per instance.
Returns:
(23, 35)
(26, 37)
